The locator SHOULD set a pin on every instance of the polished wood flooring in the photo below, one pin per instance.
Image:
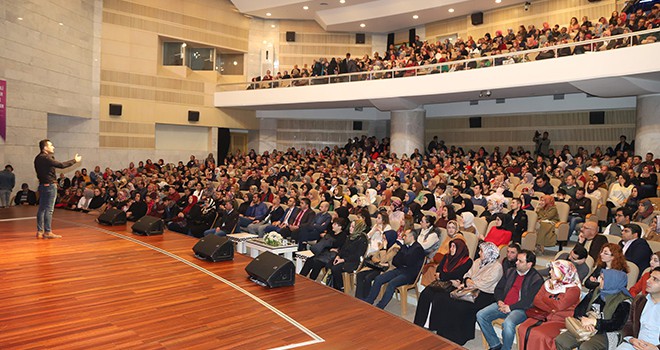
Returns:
(99, 287)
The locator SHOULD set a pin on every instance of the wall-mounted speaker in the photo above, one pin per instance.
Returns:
(357, 125)
(411, 36)
(390, 41)
(477, 18)
(475, 122)
(193, 116)
(290, 37)
(597, 118)
(360, 38)
(271, 270)
(115, 109)
(214, 248)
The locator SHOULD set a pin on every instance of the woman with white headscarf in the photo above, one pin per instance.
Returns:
(555, 301)
(468, 223)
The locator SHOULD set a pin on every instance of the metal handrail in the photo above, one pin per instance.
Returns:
(426, 69)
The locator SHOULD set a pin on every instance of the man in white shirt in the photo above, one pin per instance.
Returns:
(621, 218)
(642, 331)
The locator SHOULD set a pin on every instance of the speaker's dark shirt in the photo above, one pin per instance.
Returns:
(45, 164)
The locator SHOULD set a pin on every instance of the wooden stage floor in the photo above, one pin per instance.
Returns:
(103, 287)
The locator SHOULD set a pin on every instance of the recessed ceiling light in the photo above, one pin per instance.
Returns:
(61, 23)
(264, 42)
(268, 14)
(362, 25)
(235, 63)
(415, 17)
(272, 26)
(20, 18)
(342, 1)
(498, 1)
(305, 7)
(451, 10)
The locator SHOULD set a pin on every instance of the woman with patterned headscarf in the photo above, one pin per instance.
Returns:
(348, 257)
(455, 319)
(547, 218)
(555, 301)
(611, 301)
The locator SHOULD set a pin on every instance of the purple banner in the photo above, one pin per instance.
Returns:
(3, 109)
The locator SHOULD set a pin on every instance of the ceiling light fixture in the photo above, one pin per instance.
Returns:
(362, 25)
(415, 17)
(498, 1)
(61, 23)
(451, 10)
(272, 26)
(342, 1)
(305, 8)
(20, 18)
(268, 14)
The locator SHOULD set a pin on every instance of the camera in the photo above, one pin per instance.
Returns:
(527, 5)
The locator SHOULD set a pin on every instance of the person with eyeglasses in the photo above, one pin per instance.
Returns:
(621, 218)
(590, 239)
(610, 257)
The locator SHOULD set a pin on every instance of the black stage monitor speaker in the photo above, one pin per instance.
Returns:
(290, 37)
(148, 226)
(115, 109)
(214, 248)
(360, 38)
(477, 18)
(597, 118)
(112, 217)
(271, 270)
(193, 116)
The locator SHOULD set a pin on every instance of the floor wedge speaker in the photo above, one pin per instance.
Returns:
(271, 270)
(112, 217)
(214, 248)
(148, 226)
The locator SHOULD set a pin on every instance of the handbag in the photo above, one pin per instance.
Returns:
(465, 294)
(375, 266)
(575, 327)
(441, 286)
(537, 314)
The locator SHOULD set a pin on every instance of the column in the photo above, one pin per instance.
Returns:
(267, 135)
(407, 131)
(647, 138)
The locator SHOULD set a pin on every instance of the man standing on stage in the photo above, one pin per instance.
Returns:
(44, 165)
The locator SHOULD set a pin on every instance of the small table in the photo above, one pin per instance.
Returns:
(257, 246)
(301, 258)
(240, 239)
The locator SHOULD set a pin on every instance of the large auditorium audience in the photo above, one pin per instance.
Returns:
(437, 56)
(390, 218)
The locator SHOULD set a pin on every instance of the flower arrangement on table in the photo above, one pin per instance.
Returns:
(273, 239)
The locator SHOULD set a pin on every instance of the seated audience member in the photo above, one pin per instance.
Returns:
(635, 249)
(555, 301)
(447, 214)
(478, 198)
(621, 218)
(640, 286)
(653, 234)
(577, 256)
(569, 186)
(542, 186)
(325, 250)
(642, 329)
(428, 236)
(312, 231)
(378, 263)
(155, 206)
(590, 239)
(25, 196)
(227, 220)
(97, 204)
(256, 212)
(428, 271)
(83, 202)
(408, 262)
(619, 192)
(190, 217)
(514, 294)
(137, 209)
(547, 218)
(519, 220)
(610, 258)
(65, 198)
(611, 302)
(304, 216)
(467, 223)
(348, 256)
(511, 257)
(376, 234)
(580, 206)
(644, 213)
(275, 213)
(500, 234)
(455, 319)
(289, 217)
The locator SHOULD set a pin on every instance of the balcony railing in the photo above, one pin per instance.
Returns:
(553, 51)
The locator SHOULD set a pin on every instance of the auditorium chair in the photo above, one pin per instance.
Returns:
(402, 291)
(528, 240)
(472, 242)
(633, 274)
(561, 227)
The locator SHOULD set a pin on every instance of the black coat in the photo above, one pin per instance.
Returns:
(530, 286)
(638, 253)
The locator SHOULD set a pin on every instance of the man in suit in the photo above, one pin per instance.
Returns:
(642, 331)
(257, 211)
(520, 219)
(635, 249)
(590, 239)
(580, 206)
(275, 213)
(288, 218)
(408, 262)
(305, 215)
(514, 294)
(313, 230)
(228, 220)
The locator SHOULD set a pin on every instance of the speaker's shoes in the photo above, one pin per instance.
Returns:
(51, 235)
(40, 235)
